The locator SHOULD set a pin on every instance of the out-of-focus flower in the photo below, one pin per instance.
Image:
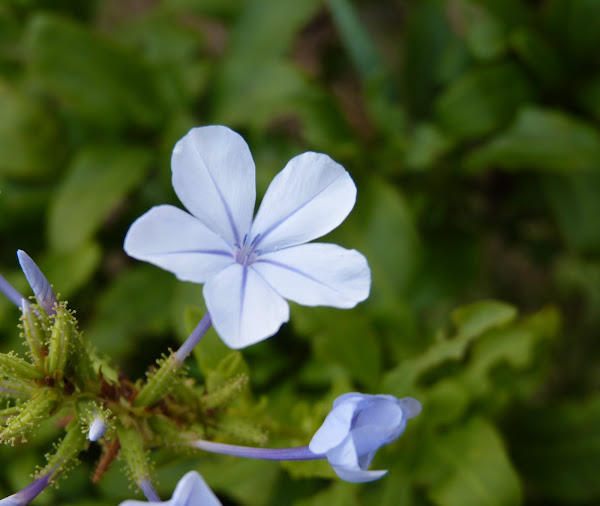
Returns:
(191, 490)
(249, 267)
(357, 426)
(29, 493)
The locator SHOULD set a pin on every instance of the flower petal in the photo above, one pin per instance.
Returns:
(310, 197)
(335, 428)
(193, 490)
(214, 177)
(176, 241)
(357, 475)
(243, 307)
(317, 274)
(345, 463)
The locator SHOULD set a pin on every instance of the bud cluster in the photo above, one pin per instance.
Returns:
(62, 380)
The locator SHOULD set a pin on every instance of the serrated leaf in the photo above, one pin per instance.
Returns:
(541, 139)
(472, 323)
(98, 179)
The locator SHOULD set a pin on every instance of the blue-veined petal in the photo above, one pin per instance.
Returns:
(317, 274)
(178, 242)
(214, 177)
(243, 306)
(310, 197)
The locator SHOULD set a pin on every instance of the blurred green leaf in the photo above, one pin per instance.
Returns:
(472, 323)
(427, 145)
(249, 481)
(71, 270)
(427, 37)
(29, 140)
(544, 140)
(338, 494)
(575, 199)
(98, 179)
(469, 466)
(588, 97)
(135, 304)
(485, 34)
(352, 344)
(537, 55)
(557, 448)
(481, 316)
(482, 100)
(95, 78)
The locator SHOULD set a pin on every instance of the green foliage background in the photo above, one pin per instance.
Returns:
(472, 130)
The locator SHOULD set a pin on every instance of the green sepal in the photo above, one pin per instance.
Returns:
(16, 388)
(66, 450)
(81, 360)
(134, 453)
(34, 412)
(160, 381)
(59, 347)
(170, 433)
(225, 393)
(19, 369)
(33, 333)
(243, 430)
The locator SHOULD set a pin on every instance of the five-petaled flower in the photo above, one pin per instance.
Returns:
(191, 490)
(357, 426)
(249, 267)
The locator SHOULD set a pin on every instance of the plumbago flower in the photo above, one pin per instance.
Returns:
(357, 426)
(191, 490)
(353, 431)
(249, 267)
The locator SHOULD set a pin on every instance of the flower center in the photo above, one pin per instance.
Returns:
(246, 254)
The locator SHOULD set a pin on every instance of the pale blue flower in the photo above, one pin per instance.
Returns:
(357, 426)
(249, 267)
(191, 490)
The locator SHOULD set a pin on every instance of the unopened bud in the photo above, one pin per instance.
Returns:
(38, 282)
(97, 429)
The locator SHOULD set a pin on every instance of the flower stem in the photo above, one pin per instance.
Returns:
(7, 289)
(198, 333)
(298, 453)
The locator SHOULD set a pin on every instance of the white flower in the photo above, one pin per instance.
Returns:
(191, 490)
(250, 267)
(357, 426)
